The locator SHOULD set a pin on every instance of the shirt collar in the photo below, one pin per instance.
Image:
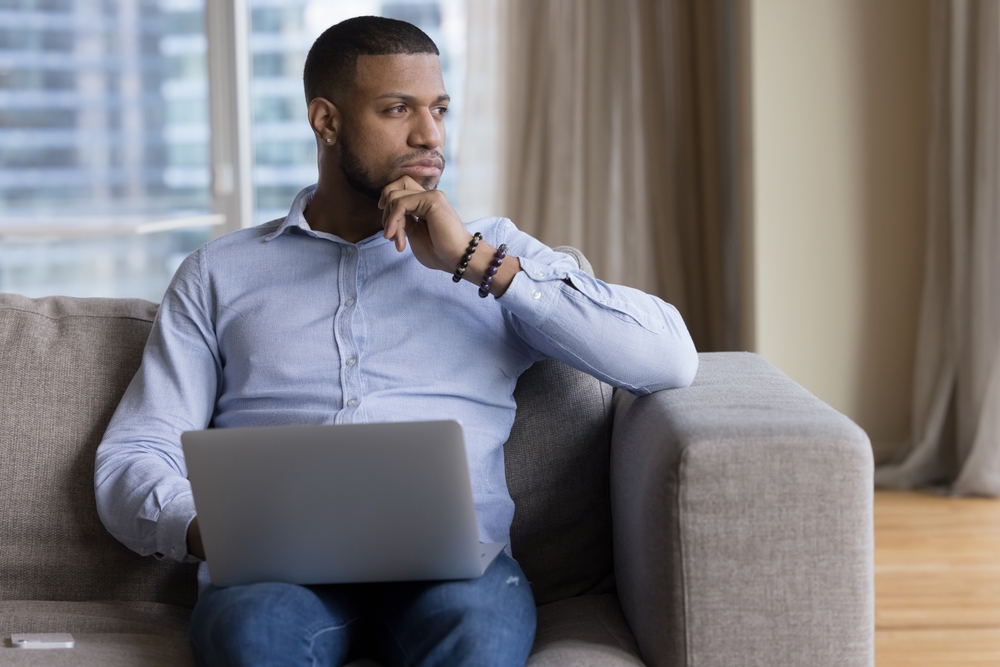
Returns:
(296, 219)
(296, 214)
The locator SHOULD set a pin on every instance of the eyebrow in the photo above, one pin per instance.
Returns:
(411, 98)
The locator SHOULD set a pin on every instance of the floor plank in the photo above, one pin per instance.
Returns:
(937, 580)
(932, 648)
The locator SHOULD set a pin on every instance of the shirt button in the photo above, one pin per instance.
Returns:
(351, 361)
(535, 294)
(539, 274)
(351, 250)
(349, 302)
(351, 403)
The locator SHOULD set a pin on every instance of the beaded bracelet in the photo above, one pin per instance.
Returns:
(484, 287)
(464, 263)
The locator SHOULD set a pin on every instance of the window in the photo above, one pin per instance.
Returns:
(106, 130)
(103, 145)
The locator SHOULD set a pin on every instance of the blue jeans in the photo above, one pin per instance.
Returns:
(486, 621)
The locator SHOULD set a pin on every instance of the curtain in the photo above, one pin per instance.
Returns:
(956, 404)
(621, 132)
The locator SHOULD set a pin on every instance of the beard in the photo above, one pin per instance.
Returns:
(370, 185)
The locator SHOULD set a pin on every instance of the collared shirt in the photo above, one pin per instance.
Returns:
(281, 324)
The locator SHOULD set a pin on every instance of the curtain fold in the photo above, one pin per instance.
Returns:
(621, 136)
(956, 406)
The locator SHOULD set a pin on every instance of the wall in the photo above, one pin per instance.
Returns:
(840, 98)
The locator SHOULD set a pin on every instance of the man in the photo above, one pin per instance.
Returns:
(346, 311)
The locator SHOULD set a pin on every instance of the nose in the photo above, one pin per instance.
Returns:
(427, 131)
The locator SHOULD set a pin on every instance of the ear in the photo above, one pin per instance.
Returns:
(325, 119)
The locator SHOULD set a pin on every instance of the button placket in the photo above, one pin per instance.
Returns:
(344, 333)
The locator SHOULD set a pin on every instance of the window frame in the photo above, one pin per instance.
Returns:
(227, 30)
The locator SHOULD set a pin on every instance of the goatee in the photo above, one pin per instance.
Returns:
(366, 183)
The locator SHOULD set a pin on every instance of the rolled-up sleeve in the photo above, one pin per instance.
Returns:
(620, 335)
(140, 479)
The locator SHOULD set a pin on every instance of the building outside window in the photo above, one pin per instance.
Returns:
(105, 127)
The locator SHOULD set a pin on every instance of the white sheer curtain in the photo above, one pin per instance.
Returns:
(956, 409)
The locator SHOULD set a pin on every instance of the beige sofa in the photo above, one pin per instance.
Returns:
(722, 525)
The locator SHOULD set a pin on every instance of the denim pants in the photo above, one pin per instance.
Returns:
(485, 621)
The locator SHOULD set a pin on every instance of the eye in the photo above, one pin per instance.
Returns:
(441, 111)
(399, 108)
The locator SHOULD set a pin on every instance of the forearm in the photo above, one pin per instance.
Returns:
(142, 499)
(624, 337)
(621, 335)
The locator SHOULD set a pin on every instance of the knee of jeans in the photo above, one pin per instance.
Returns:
(240, 612)
(496, 635)
(505, 608)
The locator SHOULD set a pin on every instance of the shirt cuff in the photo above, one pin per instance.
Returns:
(532, 293)
(171, 529)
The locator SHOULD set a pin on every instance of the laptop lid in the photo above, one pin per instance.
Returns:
(335, 503)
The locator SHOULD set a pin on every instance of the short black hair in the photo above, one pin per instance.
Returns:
(332, 61)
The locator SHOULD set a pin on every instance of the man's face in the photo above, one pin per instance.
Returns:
(394, 123)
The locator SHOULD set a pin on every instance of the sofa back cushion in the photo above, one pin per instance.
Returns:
(65, 364)
(557, 460)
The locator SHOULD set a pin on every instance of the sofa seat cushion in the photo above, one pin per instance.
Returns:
(586, 631)
(130, 634)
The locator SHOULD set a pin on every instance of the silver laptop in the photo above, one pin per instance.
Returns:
(335, 504)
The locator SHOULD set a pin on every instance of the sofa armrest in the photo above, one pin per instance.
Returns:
(742, 519)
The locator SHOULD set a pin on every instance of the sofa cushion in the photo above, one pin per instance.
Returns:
(66, 364)
(588, 631)
(130, 634)
(557, 461)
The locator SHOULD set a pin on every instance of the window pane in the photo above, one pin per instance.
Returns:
(282, 32)
(103, 130)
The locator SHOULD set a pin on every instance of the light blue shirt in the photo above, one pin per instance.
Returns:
(281, 324)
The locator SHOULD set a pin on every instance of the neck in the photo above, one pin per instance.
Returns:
(337, 208)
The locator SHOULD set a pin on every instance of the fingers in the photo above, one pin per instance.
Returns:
(404, 183)
(402, 204)
(393, 221)
(395, 229)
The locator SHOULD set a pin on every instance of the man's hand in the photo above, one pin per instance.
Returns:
(194, 545)
(437, 235)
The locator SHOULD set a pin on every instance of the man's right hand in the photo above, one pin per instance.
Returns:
(194, 545)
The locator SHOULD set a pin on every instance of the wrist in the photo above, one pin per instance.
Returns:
(463, 262)
(480, 263)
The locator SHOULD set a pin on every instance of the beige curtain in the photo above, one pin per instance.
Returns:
(621, 134)
(956, 408)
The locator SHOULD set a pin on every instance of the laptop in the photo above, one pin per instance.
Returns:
(335, 504)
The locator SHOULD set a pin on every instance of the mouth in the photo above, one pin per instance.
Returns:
(425, 167)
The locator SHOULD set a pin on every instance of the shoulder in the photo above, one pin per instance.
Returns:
(196, 270)
(244, 237)
(236, 245)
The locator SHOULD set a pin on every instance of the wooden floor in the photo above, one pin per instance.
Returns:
(937, 580)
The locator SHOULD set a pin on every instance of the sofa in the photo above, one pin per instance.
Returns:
(726, 524)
